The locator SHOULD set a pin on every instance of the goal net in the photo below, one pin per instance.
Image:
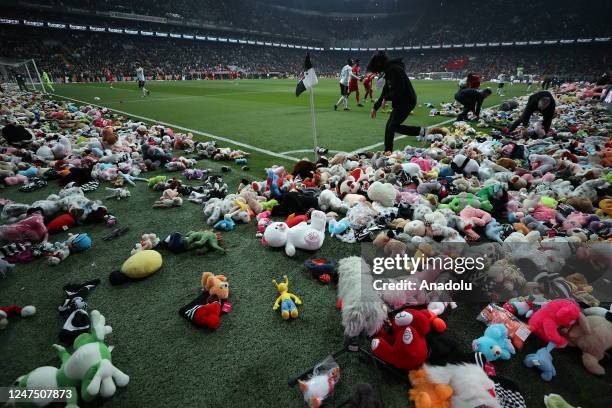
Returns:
(23, 74)
(437, 75)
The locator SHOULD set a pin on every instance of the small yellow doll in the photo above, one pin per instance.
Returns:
(287, 301)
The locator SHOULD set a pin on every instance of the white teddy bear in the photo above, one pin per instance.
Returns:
(308, 236)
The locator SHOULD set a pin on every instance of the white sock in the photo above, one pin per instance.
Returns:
(340, 100)
(346, 102)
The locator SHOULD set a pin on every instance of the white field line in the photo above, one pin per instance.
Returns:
(310, 151)
(187, 97)
(197, 132)
(366, 148)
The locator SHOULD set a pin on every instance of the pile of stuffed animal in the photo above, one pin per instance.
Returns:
(537, 207)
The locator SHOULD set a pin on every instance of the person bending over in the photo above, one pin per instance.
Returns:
(542, 102)
(471, 99)
(397, 89)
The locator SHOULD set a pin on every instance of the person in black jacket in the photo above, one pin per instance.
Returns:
(398, 89)
(471, 99)
(542, 102)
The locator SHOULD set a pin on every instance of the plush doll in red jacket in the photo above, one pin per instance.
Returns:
(545, 323)
(405, 348)
(14, 311)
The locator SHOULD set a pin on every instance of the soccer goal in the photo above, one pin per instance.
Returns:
(23, 74)
(448, 76)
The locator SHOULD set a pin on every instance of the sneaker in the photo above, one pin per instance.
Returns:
(335, 107)
(347, 109)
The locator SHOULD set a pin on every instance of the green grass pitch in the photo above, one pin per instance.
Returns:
(247, 362)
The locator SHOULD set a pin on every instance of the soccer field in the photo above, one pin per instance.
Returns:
(265, 113)
(170, 362)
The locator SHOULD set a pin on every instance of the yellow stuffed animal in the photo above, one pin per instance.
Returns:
(215, 285)
(286, 300)
(136, 267)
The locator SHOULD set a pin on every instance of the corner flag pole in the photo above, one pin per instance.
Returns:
(314, 123)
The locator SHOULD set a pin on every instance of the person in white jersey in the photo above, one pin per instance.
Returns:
(140, 77)
(345, 76)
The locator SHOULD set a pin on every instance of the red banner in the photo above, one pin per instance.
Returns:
(456, 64)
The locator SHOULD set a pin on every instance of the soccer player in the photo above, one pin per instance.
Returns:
(109, 77)
(141, 80)
(398, 89)
(367, 84)
(345, 75)
(542, 102)
(471, 99)
(48, 82)
(501, 78)
(529, 82)
(354, 81)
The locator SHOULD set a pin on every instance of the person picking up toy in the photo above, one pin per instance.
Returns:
(287, 301)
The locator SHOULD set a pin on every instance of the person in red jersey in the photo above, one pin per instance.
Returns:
(354, 81)
(109, 77)
(367, 84)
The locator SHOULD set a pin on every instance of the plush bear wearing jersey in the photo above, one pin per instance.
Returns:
(405, 347)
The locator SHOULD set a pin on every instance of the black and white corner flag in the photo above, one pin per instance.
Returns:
(309, 79)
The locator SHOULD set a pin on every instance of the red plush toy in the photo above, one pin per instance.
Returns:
(61, 223)
(405, 348)
(13, 311)
(545, 323)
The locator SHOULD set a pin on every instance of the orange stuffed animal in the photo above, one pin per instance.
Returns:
(426, 394)
(215, 285)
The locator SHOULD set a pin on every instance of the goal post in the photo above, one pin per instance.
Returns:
(448, 76)
(23, 74)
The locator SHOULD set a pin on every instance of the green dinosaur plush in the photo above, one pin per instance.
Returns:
(268, 205)
(204, 241)
(88, 367)
(157, 179)
(460, 201)
(556, 401)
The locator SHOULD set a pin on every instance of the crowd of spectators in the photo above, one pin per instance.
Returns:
(417, 22)
(83, 56)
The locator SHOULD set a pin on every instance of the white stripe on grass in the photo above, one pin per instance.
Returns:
(197, 132)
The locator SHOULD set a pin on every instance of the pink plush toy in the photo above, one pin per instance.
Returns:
(29, 229)
(575, 220)
(16, 179)
(475, 215)
(543, 213)
(558, 313)
(424, 164)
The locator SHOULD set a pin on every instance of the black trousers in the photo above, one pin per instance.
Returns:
(394, 125)
(468, 107)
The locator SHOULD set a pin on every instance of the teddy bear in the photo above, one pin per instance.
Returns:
(390, 245)
(494, 344)
(303, 236)
(147, 241)
(507, 275)
(556, 314)
(329, 201)
(589, 188)
(12, 311)
(382, 193)
(405, 347)
(169, 198)
(594, 337)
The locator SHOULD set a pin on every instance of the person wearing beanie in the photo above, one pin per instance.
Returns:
(397, 89)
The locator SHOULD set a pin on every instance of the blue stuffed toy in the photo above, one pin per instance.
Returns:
(495, 343)
(542, 359)
(493, 231)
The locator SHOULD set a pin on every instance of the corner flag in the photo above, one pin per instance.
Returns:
(310, 77)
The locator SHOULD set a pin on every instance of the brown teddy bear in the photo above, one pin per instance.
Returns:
(215, 285)
(593, 336)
